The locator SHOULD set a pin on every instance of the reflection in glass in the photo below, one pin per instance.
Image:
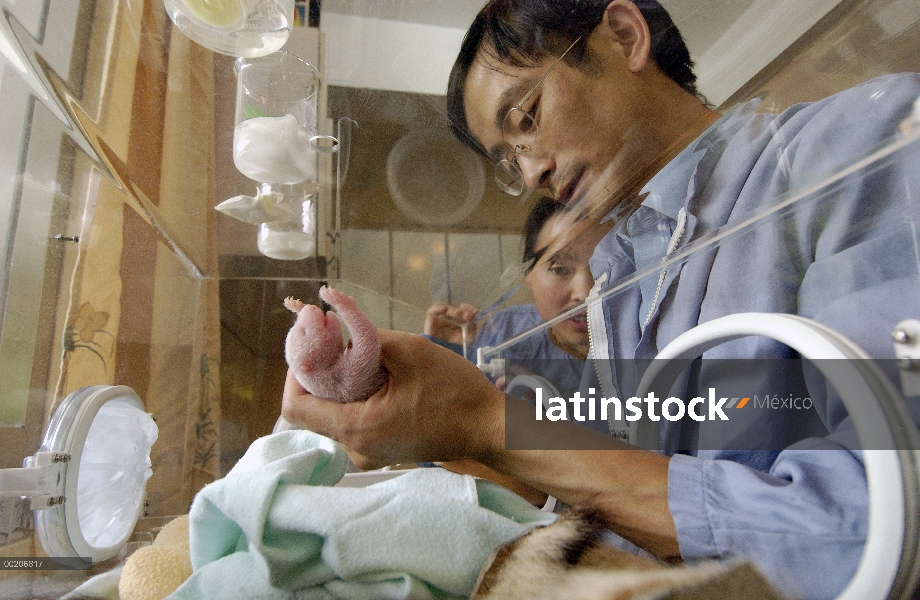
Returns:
(248, 28)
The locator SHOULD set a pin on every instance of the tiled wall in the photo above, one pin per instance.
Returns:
(397, 275)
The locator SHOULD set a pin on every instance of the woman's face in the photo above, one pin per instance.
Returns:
(561, 280)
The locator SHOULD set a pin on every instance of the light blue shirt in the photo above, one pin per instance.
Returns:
(537, 353)
(844, 256)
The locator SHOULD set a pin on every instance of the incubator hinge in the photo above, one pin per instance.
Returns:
(906, 336)
(41, 479)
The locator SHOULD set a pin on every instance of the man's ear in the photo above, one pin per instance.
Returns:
(628, 28)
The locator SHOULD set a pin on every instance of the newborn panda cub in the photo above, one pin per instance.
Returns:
(315, 351)
(569, 559)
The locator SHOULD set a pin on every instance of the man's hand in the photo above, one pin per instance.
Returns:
(435, 405)
(447, 322)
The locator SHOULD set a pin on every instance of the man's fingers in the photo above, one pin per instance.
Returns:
(437, 309)
(292, 387)
(467, 312)
(319, 415)
(456, 315)
(362, 462)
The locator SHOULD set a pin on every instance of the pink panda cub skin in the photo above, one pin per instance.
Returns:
(315, 351)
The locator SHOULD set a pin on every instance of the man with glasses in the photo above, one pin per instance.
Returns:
(594, 104)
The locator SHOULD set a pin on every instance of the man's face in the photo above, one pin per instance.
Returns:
(589, 124)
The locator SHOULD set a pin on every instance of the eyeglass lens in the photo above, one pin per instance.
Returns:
(519, 129)
(509, 178)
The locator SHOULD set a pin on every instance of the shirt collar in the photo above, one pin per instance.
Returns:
(661, 192)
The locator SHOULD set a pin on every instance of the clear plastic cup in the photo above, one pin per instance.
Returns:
(292, 237)
(247, 28)
(276, 119)
(283, 240)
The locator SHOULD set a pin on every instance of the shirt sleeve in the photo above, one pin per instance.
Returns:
(803, 523)
(803, 520)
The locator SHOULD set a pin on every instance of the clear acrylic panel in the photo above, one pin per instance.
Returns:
(870, 208)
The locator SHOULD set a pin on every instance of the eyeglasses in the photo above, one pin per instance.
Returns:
(519, 124)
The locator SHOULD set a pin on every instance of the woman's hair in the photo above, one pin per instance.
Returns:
(539, 215)
(522, 32)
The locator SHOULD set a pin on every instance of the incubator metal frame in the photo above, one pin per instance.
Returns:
(49, 478)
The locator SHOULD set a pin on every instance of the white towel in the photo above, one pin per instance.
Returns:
(274, 528)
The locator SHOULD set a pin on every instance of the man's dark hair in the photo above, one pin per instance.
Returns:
(522, 32)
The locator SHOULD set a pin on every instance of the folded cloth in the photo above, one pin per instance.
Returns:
(275, 528)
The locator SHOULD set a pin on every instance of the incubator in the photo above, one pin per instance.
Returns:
(159, 208)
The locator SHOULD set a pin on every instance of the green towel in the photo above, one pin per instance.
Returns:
(275, 528)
